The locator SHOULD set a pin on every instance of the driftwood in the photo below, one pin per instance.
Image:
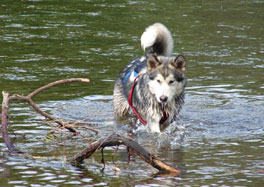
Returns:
(62, 124)
(132, 146)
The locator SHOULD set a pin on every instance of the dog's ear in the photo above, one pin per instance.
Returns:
(179, 63)
(152, 62)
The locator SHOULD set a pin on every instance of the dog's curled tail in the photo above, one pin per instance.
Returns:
(158, 38)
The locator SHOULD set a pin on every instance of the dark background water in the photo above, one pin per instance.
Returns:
(218, 137)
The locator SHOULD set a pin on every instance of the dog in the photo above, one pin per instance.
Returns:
(152, 87)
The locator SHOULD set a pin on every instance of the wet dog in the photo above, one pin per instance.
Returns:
(152, 87)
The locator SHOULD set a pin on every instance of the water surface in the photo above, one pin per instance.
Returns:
(218, 137)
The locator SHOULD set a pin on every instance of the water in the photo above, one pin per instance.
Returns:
(218, 138)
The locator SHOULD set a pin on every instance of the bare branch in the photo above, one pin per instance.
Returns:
(57, 83)
(116, 140)
(28, 99)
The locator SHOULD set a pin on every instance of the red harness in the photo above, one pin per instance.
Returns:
(162, 120)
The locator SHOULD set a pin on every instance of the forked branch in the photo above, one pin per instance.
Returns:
(116, 140)
(28, 99)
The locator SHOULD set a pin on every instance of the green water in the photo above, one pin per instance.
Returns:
(218, 138)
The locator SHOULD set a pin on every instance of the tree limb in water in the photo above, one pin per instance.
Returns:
(28, 99)
(116, 140)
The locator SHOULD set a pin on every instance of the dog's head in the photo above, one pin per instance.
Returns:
(166, 77)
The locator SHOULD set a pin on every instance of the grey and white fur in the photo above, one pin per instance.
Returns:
(159, 90)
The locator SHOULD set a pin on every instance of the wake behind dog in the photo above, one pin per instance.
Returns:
(152, 87)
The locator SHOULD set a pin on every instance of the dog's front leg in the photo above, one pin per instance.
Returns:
(153, 123)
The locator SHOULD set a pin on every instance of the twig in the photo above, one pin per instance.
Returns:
(113, 154)
(116, 140)
(89, 128)
(102, 160)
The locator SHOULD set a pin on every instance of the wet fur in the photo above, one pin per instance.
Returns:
(160, 76)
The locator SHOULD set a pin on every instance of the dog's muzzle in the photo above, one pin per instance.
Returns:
(163, 98)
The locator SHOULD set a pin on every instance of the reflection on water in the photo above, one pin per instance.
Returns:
(218, 137)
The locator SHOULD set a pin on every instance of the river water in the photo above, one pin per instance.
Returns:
(218, 137)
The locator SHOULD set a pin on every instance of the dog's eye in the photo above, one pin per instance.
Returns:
(158, 81)
(179, 79)
(151, 78)
(171, 82)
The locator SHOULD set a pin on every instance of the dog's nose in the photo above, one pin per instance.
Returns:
(163, 98)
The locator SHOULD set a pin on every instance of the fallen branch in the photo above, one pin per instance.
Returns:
(4, 117)
(62, 124)
(29, 100)
(116, 140)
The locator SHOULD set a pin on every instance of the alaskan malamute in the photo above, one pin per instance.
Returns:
(152, 87)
